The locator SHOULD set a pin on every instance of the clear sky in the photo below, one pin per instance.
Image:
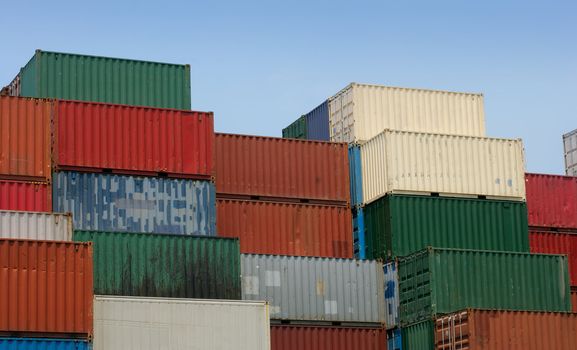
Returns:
(259, 65)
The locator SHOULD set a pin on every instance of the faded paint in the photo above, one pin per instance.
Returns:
(552, 201)
(29, 196)
(391, 294)
(37, 226)
(557, 243)
(359, 233)
(285, 337)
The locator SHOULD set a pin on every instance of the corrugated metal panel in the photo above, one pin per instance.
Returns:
(133, 140)
(552, 201)
(122, 323)
(317, 123)
(359, 241)
(407, 162)
(394, 339)
(436, 281)
(327, 338)
(496, 329)
(287, 229)
(31, 196)
(282, 168)
(104, 79)
(419, 336)
(45, 287)
(105, 202)
(315, 289)
(574, 300)
(360, 111)
(43, 344)
(38, 226)
(391, 294)
(296, 130)
(557, 243)
(139, 264)
(398, 225)
(25, 139)
(355, 175)
(570, 146)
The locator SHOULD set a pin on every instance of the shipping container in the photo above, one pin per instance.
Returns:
(256, 166)
(286, 228)
(315, 289)
(557, 243)
(122, 323)
(360, 111)
(287, 337)
(104, 79)
(30, 196)
(391, 294)
(394, 339)
(419, 163)
(107, 202)
(44, 344)
(552, 201)
(419, 336)
(317, 123)
(398, 225)
(296, 130)
(359, 239)
(355, 175)
(25, 151)
(437, 281)
(506, 330)
(35, 225)
(570, 146)
(45, 287)
(574, 299)
(124, 139)
(158, 265)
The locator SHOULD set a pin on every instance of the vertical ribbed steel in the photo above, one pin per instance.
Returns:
(35, 225)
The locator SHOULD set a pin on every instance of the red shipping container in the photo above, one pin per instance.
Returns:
(277, 168)
(27, 196)
(289, 337)
(133, 140)
(557, 243)
(551, 201)
(287, 228)
(46, 287)
(25, 149)
(574, 300)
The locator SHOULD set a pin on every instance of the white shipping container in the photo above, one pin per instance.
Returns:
(130, 323)
(448, 165)
(37, 226)
(391, 294)
(360, 111)
(570, 146)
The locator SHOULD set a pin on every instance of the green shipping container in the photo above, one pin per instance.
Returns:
(438, 281)
(103, 79)
(297, 130)
(419, 336)
(156, 265)
(399, 225)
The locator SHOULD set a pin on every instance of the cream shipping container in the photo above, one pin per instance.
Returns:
(35, 225)
(570, 145)
(123, 323)
(421, 163)
(360, 111)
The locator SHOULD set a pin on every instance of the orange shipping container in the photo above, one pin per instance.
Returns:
(27, 196)
(506, 330)
(277, 168)
(287, 228)
(46, 287)
(574, 299)
(289, 337)
(25, 138)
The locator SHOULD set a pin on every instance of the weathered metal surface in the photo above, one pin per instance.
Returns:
(552, 201)
(29, 196)
(394, 339)
(359, 231)
(44, 344)
(327, 338)
(315, 289)
(106, 202)
(35, 225)
(139, 264)
(557, 243)
(296, 130)
(391, 294)
(419, 336)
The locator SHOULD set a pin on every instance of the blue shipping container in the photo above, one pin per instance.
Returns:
(356, 176)
(43, 344)
(394, 339)
(317, 122)
(107, 202)
(391, 294)
(359, 243)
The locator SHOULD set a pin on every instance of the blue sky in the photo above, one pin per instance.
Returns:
(258, 65)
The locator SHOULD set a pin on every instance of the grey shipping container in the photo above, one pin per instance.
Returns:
(35, 225)
(315, 289)
(107, 202)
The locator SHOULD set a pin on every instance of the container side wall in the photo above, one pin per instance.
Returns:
(37, 226)
(355, 175)
(29, 196)
(359, 240)
(557, 243)
(317, 123)
(570, 146)
(391, 295)
(43, 344)
(297, 129)
(327, 338)
(394, 339)
(552, 201)
(419, 336)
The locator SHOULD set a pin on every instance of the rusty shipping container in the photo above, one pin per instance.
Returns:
(557, 243)
(506, 330)
(551, 201)
(287, 228)
(255, 166)
(133, 140)
(25, 150)
(46, 287)
(29, 196)
(288, 337)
